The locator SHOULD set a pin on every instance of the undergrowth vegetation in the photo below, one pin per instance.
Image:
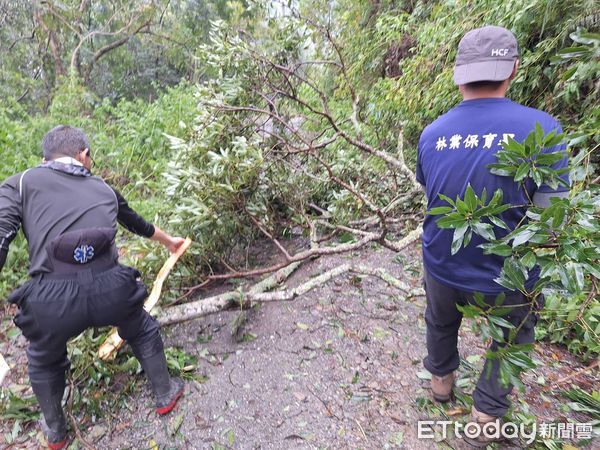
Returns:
(211, 159)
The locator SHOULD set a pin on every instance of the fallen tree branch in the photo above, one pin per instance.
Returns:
(577, 373)
(258, 292)
(320, 280)
(302, 256)
(405, 241)
(211, 305)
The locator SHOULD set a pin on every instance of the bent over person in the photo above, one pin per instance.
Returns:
(454, 151)
(69, 219)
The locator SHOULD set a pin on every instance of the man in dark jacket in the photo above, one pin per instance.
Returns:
(69, 219)
(455, 151)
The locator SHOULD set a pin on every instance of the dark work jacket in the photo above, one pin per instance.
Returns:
(49, 201)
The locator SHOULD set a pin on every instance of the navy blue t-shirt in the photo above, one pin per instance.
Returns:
(454, 151)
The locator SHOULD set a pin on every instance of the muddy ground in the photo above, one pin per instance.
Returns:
(338, 368)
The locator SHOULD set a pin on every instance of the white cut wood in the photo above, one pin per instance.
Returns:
(114, 341)
(4, 368)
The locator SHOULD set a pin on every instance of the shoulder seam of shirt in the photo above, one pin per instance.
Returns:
(21, 183)
(111, 190)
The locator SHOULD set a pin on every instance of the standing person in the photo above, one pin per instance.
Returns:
(69, 219)
(454, 151)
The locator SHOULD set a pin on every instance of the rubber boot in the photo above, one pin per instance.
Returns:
(167, 390)
(49, 395)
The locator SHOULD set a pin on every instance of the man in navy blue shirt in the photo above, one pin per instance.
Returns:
(454, 151)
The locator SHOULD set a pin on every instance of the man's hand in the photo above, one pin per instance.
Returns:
(172, 243)
(175, 243)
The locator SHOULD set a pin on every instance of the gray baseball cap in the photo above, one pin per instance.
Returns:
(485, 54)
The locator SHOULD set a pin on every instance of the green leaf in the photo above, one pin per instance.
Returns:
(537, 177)
(483, 196)
(495, 332)
(547, 159)
(522, 171)
(446, 199)
(501, 169)
(498, 222)
(539, 134)
(439, 210)
(529, 146)
(512, 275)
(592, 270)
(458, 237)
(485, 230)
(500, 299)
(501, 322)
(480, 299)
(529, 260)
(462, 207)
(522, 236)
(573, 51)
(502, 310)
(469, 311)
(467, 238)
(559, 216)
(346, 237)
(497, 198)
(496, 249)
(585, 38)
(452, 220)
(579, 276)
(520, 359)
(548, 268)
(470, 198)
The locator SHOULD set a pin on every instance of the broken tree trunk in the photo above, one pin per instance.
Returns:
(211, 305)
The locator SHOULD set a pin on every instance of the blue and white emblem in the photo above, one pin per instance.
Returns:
(83, 253)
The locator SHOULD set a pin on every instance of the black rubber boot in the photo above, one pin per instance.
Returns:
(167, 390)
(49, 395)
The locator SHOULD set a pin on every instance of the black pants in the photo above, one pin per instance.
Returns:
(54, 308)
(443, 321)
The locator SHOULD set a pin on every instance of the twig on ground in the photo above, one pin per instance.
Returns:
(361, 429)
(578, 372)
(329, 411)
(72, 419)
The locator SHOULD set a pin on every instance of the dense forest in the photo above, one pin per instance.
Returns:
(293, 127)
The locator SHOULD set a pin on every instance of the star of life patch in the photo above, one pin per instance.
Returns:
(83, 253)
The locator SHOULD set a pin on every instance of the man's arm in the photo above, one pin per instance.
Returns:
(10, 214)
(131, 220)
(3, 254)
(171, 242)
(135, 223)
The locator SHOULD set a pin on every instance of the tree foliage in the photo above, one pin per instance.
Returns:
(115, 49)
(232, 121)
(302, 119)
